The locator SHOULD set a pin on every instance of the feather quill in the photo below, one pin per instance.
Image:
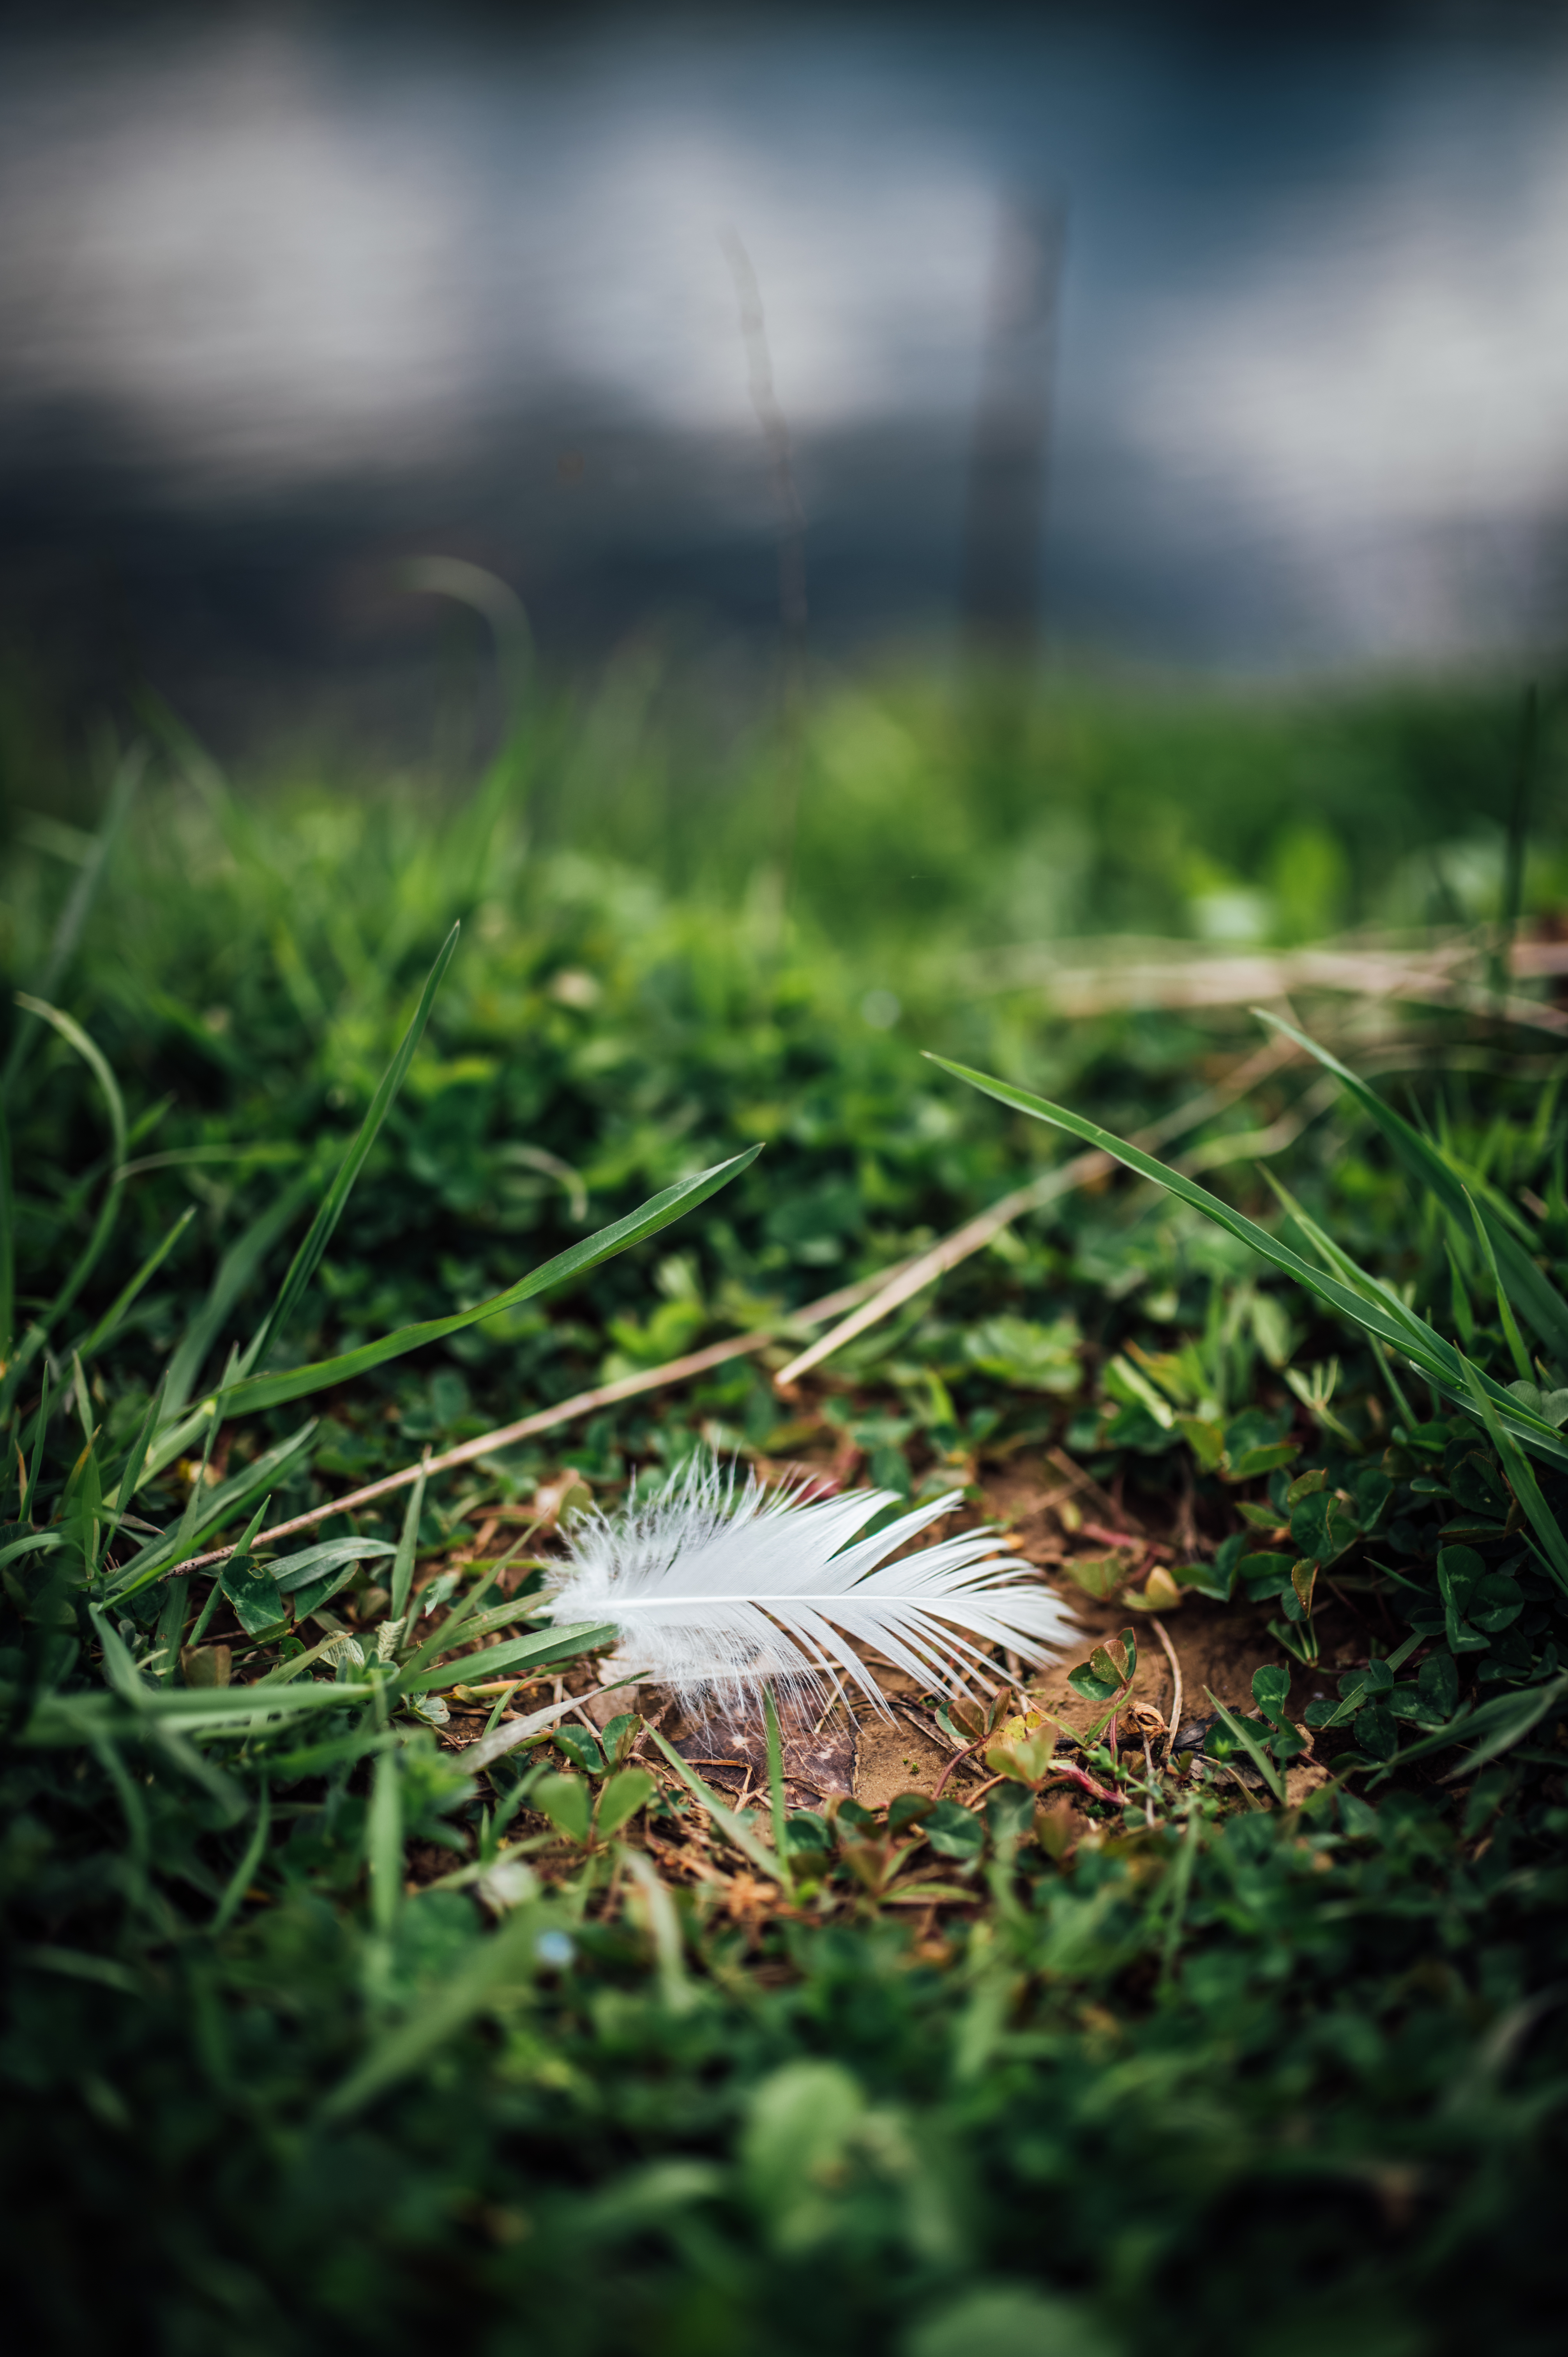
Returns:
(716, 1587)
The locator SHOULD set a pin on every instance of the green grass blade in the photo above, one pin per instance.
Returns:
(305, 1569)
(1511, 1334)
(1377, 1314)
(239, 1881)
(73, 916)
(231, 1497)
(508, 1957)
(776, 1774)
(109, 1210)
(234, 1272)
(97, 1335)
(171, 1627)
(383, 1842)
(729, 1824)
(407, 1548)
(131, 1472)
(31, 1543)
(1533, 1294)
(92, 1055)
(1522, 1481)
(298, 1382)
(303, 1268)
(552, 1645)
(35, 1463)
(1250, 1744)
(1499, 1724)
(461, 1617)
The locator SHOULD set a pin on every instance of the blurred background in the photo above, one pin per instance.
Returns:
(763, 350)
(1261, 317)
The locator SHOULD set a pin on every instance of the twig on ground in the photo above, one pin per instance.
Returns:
(1079, 1480)
(976, 1233)
(1429, 976)
(1158, 1626)
(568, 1411)
(923, 1724)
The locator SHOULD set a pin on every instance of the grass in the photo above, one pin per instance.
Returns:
(317, 2037)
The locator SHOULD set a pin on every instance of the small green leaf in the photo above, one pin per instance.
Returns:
(312, 1564)
(254, 1594)
(1376, 1732)
(1438, 1682)
(581, 1749)
(1254, 1463)
(1206, 1440)
(1264, 1574)
(565, 1801)
(1271, 1687)
(620, 1733)
(954, 1832)
(1098, 1575)
(628, 1790)
(1217, 1578)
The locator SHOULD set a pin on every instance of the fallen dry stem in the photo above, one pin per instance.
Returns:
(1158, 1626)
(1449, 973)
(568, 1411)
(976, 1233)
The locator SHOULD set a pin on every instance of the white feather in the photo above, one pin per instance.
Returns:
(713, 1589)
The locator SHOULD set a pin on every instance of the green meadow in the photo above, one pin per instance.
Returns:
(352, 1117)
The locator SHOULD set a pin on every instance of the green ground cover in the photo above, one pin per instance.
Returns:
(1228, 2060)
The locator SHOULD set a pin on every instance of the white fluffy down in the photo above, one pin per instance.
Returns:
(716, 1587)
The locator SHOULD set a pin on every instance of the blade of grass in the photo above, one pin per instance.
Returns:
(443, 1638)
(108, 1210)
(775, 1781)
(407, 1545)
(729, 1824)
(1532, 1293)
(272, 1391)
(303, 1267)
(215, 1593)
(505, 1958)
(681, 1370)
(96, 1335)
(239, 1881)
(676, 1989)
(1181, 1882)
(66, 933)
(1511, 1334)
(1244, 1736)
(383, 1842)
(1553, 1544)
(40, 1425)
(78, 901)
(1376, 1313)
(557, 1645)
(234, 1272)
(1499, 1724)
(171, 1626)
(162, 1556)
